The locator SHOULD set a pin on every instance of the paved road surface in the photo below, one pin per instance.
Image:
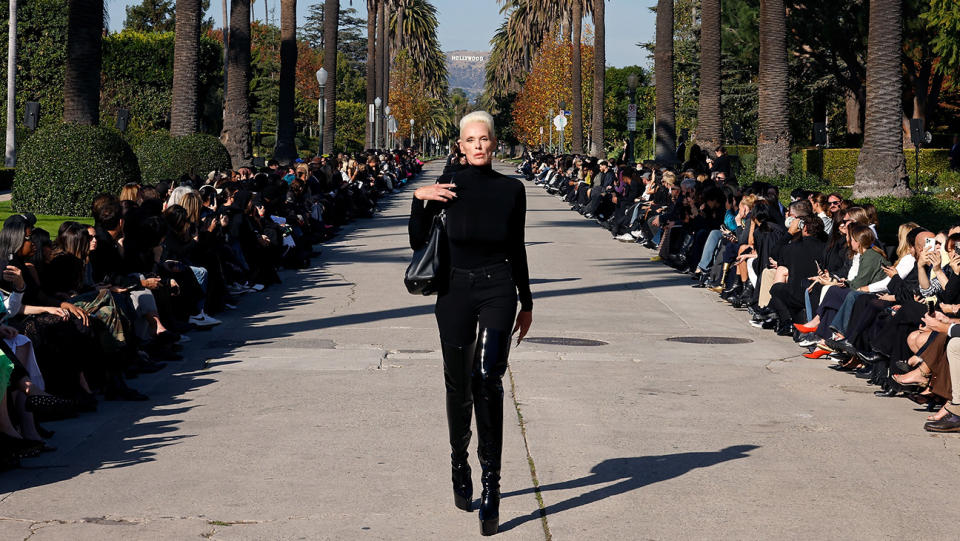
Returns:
(316, 412)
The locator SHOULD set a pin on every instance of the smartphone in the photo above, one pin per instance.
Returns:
(931, 305)
(930, 244)
(819, 268)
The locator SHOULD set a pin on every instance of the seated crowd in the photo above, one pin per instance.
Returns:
(86, 308)
(814, 269)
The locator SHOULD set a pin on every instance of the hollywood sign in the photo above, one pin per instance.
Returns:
(468, 58)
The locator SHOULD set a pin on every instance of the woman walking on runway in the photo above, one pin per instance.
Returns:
(477, 307)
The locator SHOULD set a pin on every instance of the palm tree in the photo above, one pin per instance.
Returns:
(81, 87)
(881, 169)
(183, 113)
(331, 17)
(576, 76)
(666, 147)
(599, 74)
(236, 109)
(383, 62)
(773, 137)
(285, 150)
(414, 28)
(709, 131)
(372, 10)
(10, 159)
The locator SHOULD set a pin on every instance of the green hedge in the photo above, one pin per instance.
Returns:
(839, 165)
(62, 167)
(166, 158)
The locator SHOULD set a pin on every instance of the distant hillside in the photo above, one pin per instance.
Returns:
(466, 70)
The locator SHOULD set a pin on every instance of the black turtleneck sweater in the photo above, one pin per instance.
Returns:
(484, 223)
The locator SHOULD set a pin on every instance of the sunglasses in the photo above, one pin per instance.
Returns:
(832, 203)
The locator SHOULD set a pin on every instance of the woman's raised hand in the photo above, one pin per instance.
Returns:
(436, 192)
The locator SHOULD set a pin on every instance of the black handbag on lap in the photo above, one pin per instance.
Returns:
(425, 271)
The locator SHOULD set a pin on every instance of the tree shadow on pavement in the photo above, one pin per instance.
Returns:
(632, 473)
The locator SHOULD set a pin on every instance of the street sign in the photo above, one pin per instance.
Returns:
(560, 122)
(632, 117)
(392, 124)
(567, 113)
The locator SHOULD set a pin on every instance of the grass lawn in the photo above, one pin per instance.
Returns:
(45, 221)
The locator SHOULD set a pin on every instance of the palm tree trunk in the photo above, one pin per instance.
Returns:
(709, 123)
(285, 150)
(881, 169)
(81, 86)
(183, 113)
(236, 116)
(331, 18)
(773, 138)
(387, 63)
(226, 44)
(666, 147)
(382, 17)
(372, 8)
(576, 84)
(10, 159)
(599, 74)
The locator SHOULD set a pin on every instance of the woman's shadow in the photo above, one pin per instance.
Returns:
(633, 473)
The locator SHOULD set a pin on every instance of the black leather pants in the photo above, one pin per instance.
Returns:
(482, 299)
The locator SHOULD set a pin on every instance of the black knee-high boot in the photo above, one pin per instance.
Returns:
(489, 367)
(457, 373)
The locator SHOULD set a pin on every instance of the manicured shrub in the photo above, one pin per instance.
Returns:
(166, 158)
(62, 167)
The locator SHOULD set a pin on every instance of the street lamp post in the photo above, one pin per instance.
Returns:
(388, 139)
(321, 106)
(376, 122)
(631, 122)
(411, 133)
(563, 107)
(550, 128)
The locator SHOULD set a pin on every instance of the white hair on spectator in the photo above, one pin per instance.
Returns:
(478, 116)
(177, 195)
(688, 183)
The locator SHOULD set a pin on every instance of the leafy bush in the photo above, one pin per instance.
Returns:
(62, 167)
(740, 150)
(934, 213)
(163, 157)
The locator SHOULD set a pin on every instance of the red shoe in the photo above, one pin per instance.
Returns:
(804, 328)
(817, 353)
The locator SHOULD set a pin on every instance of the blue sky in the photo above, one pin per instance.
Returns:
(470, 24)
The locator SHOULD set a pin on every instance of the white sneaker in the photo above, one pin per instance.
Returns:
(203, 320)
(624, 237)
(236, 289)
(636, 234)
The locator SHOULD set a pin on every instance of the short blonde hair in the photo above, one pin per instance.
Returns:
(479, 116)
(669, 178)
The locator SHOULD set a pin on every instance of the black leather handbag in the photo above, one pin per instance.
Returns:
(425, 272)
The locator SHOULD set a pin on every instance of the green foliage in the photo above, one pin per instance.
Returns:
(163, 157)
(934, 213)
(943, 22)
(62, 167)
(160, 16)
(351, 33)
(351, 130)
(138, 76)
(42, 54)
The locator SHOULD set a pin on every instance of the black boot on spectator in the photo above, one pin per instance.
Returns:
(785, 328)
(701, 281)
(457, 373)
(733, 290)
(744, 297)
(871, 356)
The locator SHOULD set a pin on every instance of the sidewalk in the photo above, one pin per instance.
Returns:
(316, 412)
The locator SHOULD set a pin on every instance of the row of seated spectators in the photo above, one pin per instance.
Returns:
(87, 308)
(814, 269)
